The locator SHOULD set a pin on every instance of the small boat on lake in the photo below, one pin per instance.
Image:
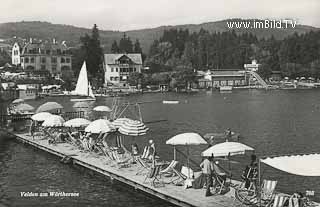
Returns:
(83, 91)
(225, 88)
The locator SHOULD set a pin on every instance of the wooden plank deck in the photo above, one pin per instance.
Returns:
(177, 195)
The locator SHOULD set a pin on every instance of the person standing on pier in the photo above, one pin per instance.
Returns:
(207, 170)
(152, 152)
(228, 134)
(32, 129)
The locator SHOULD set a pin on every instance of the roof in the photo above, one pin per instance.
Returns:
(43, 46)
(226, 73)
(111, 58)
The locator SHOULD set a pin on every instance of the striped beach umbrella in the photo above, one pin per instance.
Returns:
(120, 121)
(77, 122)
(40, 116)
(133, 128)
(100, 125)
(53, 121)
(49, 106)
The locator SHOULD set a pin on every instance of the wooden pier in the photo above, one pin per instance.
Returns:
(177, 195)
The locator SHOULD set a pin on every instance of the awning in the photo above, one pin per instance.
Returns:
(304, 165)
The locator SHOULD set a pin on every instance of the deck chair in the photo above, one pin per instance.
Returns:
(154, 176)
(146, 153)
(121, 162)
(169, 168)
(143, 166)
(279, 200)
(221, 177)
(267, 191)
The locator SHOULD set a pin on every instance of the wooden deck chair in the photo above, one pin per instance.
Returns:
(279, 200)
(267, 191)
(221, 177)
(120, 161)
(154, 176)
(178, 177)
(143, 166)
(169, 168)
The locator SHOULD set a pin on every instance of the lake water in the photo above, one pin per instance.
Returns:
(273, 122)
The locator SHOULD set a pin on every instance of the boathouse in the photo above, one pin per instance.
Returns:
(226, 77)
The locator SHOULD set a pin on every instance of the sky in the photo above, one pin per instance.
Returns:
(126, 15)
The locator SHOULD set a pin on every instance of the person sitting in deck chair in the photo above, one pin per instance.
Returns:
(251, 172)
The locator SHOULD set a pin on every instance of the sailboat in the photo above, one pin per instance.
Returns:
(83, 89)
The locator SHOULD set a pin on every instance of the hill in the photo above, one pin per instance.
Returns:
(71, 34)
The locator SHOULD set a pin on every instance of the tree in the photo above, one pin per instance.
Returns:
(135, 79)
(137, 47)
(114, 47)
(125, 44)
(93, 56)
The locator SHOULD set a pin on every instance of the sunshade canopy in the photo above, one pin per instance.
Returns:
(119, 122)
(40, 116)
(304, 165)
(53, 121)
(49, 106)
(100, 125)
(17, 101)
(81, 104)
(226, 149)
(77, 122)
(102, 108)
(24, 107)
(133, 128)
(186, 139)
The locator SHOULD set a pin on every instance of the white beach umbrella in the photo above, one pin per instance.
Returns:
(40, 116)
(186, 139)
(24, 107)
(53, 121)
(133, 128)
(119, 122)
(49, 106)
(18, 101)
(102, 108)
(226, 149)
(100, 125)
(77, 122)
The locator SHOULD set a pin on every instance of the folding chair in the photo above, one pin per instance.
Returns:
(121, 162)
(267, 191)
(221, 178)
(143, 166)
(279, 200)
(154, 176)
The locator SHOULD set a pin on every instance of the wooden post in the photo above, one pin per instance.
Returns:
(259, 182)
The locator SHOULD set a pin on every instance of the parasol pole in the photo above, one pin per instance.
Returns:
(259, 182)
(188, 161)
(174, 153)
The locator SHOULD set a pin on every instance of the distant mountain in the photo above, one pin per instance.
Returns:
(72, 34)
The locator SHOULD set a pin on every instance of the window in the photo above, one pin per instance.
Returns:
(117, 69)
(111, 78)
(22, 60)
(111, 70)
(43, 67)
(32, 60)
(59, 51)
(54, 67)
(135, 69)
(43, 60)
(63, 60)
(27, 60)
(53, 59)
(68, 60)
(47, 52)
(121, 70)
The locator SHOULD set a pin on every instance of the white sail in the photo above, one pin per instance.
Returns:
(83, 87)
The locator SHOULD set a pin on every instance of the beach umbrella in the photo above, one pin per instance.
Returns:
(49, 106)
(133, 128)
(24, 107)
(40, 116)
(77, 122)
(102, 108)
(18, 101)
(226, 149)
(119, 121)
(186, 139)
(100, 125)
(81, 104)
(53, 121)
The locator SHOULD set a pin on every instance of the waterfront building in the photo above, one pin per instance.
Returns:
(46, 58)
(15, 54)
(27, 91)
(117, 68)
(226, 77)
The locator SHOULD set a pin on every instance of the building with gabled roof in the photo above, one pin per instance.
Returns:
(117, 68)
